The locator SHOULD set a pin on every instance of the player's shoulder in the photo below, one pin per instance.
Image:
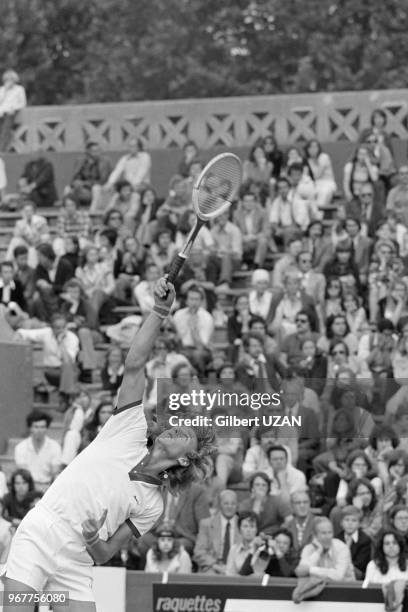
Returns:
(120, 409)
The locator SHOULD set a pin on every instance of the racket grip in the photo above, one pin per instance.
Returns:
(175, 267)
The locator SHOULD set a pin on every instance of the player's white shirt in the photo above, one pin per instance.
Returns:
(99, 479)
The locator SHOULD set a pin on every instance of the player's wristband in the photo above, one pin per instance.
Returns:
(161, 311)
(93, 540)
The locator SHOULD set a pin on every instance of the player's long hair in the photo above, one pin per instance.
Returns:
(200, 468)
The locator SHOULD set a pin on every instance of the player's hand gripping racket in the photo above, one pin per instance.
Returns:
(213, 193)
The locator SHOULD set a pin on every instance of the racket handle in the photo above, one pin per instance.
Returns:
(175, 267)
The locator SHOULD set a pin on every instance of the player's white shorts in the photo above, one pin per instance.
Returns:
(47, 555)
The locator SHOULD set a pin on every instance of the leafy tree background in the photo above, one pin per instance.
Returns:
(68, 51)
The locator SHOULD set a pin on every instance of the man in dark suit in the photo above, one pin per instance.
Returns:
(301, 523)
(367, 207)
(359, 543)
(361, 247)
(257, 371)
(216, 536)
(50, 276)
(11, 290)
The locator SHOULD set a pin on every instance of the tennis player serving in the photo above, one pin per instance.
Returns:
(109, 491)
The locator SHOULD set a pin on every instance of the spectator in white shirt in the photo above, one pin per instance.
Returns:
(12, 100)
(285, 479)
(389, 561)
(228, 248)
(326, 557)
(39, 453)
(60, 351)
(143, 291)
(295, 207)
(133, 167)
(260, 297)
(195, 326)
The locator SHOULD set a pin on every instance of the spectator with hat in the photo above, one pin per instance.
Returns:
(167, 554)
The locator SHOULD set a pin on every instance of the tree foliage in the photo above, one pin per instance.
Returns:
(68, 51)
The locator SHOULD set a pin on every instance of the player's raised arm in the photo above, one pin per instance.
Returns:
(132, 389)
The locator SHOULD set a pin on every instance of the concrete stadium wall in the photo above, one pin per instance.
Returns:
(216, 124)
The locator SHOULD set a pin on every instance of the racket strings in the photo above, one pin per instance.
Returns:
(219, 185)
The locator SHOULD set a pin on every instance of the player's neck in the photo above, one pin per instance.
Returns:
(155, 464)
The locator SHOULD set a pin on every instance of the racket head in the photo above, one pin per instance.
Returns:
(217, 186)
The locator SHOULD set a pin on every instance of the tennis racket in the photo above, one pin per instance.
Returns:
(213, 193)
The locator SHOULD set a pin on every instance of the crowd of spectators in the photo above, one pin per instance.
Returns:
(324, 323)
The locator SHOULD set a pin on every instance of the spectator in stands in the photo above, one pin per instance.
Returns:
(288, 213)
(398, 519)
(143, 291)
(343, 266)
(285, 308)
(6, 530)
(318, 244)
(129, 269)
(74, 420)
(90, 173)
(24, 273)
(367, 208)
(260, 296)
(102, 413)
(382, 157)
(362, 495)
(60, 352)
(361, 247)
(300, 524)
(397, 199)
(291, 352)
(359, 171)
(11, 290)
(37, 183)
(12, 100)
(255, 370)
(134, 167)
(71, 222)
(18, 501)
(242, 554)
(326, 557)
(30, 231)
(273, 154)
(96, 279)
(378, 122)
(312, 366)
(167, 555)
(389, 562)
(258, 170)
(112, 371)
(51, 274)
(250, 218)
(305, 440)
(271, 511)
(338, 331)
(126, 201)
(39, 453)
(195, 326)
(163, 250)
(312, 282)
(166, 363)
(216, 536)
(190, 154)
(321, 172)
(285, 479)
(227, 250)
(358, 542)
(278, 556)
(288, 260)
(3, 181)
